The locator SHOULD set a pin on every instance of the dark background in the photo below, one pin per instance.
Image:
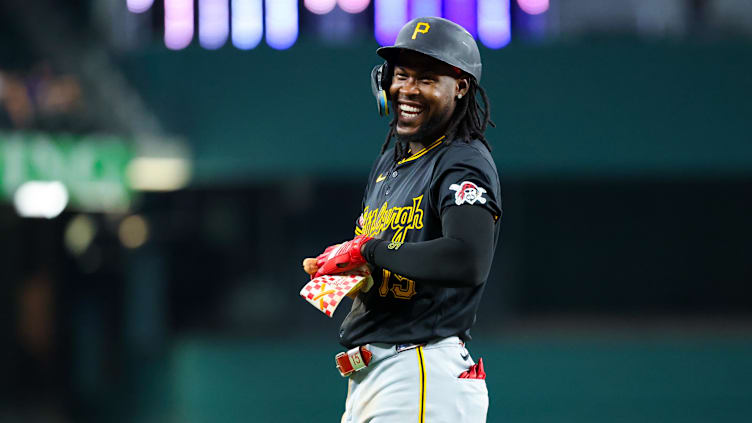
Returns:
(620, 290)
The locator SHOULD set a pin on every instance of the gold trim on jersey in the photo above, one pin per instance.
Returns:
(421, 363)
(423, 151)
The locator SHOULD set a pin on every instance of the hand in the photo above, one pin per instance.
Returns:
(310, 264)
(342, 258)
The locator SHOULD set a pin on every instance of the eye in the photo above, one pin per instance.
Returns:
(400, 75)
(428, 78)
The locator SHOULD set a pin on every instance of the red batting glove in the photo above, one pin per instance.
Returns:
(476, 371)
(321, 258)
(343, 258)
(481, 371)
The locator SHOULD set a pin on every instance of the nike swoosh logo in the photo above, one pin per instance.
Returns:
(465, 356)
(380, 178)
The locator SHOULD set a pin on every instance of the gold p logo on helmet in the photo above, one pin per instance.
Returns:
(421, 27)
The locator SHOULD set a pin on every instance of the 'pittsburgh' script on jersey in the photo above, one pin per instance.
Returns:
(400, 219)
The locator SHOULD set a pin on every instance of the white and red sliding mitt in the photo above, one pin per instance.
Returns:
(327, 291)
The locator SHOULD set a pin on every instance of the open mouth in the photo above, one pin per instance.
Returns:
(409, 112)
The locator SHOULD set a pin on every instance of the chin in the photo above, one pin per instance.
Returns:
(423, 134)
(426, 132)
(411, 133)
(411, 136)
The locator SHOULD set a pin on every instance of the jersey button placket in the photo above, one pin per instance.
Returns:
(387, 187)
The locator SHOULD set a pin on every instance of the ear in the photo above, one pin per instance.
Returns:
(461, 87)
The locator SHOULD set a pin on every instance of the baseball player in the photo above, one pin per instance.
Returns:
(428, 230)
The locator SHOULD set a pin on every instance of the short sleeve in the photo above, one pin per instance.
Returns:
(465, 175)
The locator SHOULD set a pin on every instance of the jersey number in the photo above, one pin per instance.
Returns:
(402, 288)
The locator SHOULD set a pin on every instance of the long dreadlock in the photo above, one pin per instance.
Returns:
(468, 122)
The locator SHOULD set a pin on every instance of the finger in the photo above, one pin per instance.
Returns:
(310, 265)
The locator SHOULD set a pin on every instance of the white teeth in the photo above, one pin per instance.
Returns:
(410, 109)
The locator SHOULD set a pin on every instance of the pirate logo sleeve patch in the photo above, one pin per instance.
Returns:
(467, 192)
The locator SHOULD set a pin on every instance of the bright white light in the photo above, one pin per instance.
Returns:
(40, 199)
(353, 6)
(139, 6)
(178, 23)
(320, 7)
(213, 23)
(388, 18)
(533, 7)
(247, 23)
(281, 23)
(421, 8)
(158, 173)
(493, 23)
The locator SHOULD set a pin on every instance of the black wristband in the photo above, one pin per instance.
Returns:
(369, 249)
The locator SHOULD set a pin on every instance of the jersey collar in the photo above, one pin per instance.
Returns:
(423, 151)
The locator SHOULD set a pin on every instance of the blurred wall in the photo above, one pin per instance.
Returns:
(530, 380)
(602, 107)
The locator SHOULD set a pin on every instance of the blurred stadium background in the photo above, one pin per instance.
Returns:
(165, 166)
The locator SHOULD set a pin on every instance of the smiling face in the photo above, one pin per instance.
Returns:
(424, 92)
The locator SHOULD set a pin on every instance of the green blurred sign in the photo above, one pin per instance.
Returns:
(92, 168)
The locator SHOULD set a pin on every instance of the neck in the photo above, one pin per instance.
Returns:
(416, 146)
(443, 129)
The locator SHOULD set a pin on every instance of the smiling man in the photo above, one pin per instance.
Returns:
(428, 230)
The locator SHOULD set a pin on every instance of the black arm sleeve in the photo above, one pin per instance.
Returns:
(461, 257)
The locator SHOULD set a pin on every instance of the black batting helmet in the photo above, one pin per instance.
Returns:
(439, 38)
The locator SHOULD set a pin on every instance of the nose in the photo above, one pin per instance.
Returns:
(409, 87)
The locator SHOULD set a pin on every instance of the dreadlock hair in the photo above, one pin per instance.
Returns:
(468, 122)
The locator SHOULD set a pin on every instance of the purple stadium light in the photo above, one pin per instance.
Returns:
(247, 23)
(389, 16)
(319, 7)
(281, 23)
(493, 23)
(178, 23)
(213, 23)
(419, 8)
(463, 13)
(353, 6)
(139, 6)
(533, 7)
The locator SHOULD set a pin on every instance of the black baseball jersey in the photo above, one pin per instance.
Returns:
(404, 203)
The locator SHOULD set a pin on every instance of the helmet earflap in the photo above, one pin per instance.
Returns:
(381, 79)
